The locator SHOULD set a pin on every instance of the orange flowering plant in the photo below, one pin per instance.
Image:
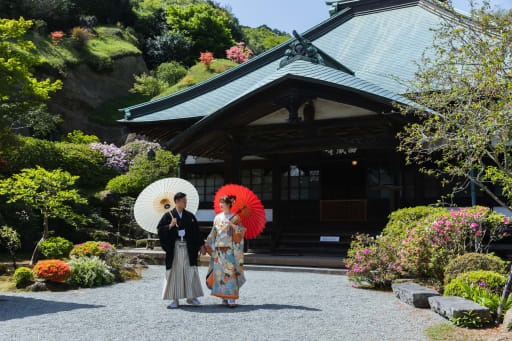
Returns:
(52, 270)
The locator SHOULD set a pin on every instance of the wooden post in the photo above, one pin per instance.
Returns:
(181, 165)
(504, 296)
(276, 198)
(236, 160)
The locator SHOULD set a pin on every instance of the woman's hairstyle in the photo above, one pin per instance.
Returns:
(228, 199)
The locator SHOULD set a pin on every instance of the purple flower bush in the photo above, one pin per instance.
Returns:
(115, 157)
(138, 147)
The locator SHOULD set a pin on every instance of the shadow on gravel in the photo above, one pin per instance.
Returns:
(14, 307)
(243, 308)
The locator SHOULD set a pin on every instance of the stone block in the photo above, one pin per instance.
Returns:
(454, 306)
(413, 294)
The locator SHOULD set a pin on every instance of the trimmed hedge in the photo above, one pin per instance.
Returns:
(77, 159)
(493, 281)
(473, 262)
(407, 218)
(55, 247)
(22, 277)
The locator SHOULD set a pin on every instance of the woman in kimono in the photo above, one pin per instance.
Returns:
(225, 244)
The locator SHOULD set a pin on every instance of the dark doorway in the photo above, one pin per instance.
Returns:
(344, 180)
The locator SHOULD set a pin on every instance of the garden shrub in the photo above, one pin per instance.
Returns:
(128, 184)
(161, 48)
(78, 137)
(492, 281)
(80, 36)
(408, 218)
(472, 262)
(189, 81)
(115, 157)
(425, 252)
(89, 272)
(92, 248)
(372, 260)
(147, 85)
(55, 247)
(138, 147)
(22, 277)
(89, 165)
(143, 172)
(77, 159)
(171, 73)
(52, 270)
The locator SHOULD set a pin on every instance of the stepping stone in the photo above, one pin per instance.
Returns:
(413, 294)
(454, 306)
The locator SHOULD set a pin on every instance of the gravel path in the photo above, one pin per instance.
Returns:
(273, 306)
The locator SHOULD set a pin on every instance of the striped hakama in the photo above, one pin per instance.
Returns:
(182, 280)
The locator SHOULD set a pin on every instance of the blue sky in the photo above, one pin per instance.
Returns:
(288, 15)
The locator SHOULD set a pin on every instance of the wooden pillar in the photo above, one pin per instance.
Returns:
(276, 199)
(181, 166)
(236, 160)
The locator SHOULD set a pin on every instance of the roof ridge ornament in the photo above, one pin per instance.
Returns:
(303, 49)
(338, 5)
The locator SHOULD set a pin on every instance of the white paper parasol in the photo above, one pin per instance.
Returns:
(158, 198)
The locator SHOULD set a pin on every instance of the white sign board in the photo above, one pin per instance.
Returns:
(335, 239)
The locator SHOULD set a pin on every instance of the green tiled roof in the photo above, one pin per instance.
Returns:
(315, 72)
(377, 45)
(383, 45)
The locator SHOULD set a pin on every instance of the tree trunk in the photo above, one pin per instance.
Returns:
(504, 297)
(13, 255)
(35, 254)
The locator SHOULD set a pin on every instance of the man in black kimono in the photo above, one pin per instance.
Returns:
(181, 239)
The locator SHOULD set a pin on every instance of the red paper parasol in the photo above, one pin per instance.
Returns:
(247, 206)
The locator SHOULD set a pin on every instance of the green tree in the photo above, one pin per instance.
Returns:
(263, 38)
(21, 94)
(10, 239)
(148, 85)
(49, 192)
(465, 79)
(206, 26)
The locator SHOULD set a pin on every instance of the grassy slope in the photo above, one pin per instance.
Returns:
(108, 113)
(99, 52)
(198, 73)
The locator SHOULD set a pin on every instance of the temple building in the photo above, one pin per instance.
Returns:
(309, 126)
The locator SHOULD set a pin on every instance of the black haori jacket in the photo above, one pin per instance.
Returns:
(168, 237)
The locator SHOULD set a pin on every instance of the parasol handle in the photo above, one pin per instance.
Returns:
(237, 213)
(170, 212)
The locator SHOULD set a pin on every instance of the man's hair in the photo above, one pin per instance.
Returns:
(179, 195)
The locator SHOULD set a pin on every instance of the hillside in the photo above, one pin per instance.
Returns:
(107, 44)
(198, 73)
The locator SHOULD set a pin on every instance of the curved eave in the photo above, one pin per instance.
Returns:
(208, 121)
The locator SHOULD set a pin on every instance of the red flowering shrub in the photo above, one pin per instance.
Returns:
(57, 37)
(239, 53)
(206, 59)
(52, 270)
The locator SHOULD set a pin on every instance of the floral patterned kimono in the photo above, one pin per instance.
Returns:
(225, 245)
